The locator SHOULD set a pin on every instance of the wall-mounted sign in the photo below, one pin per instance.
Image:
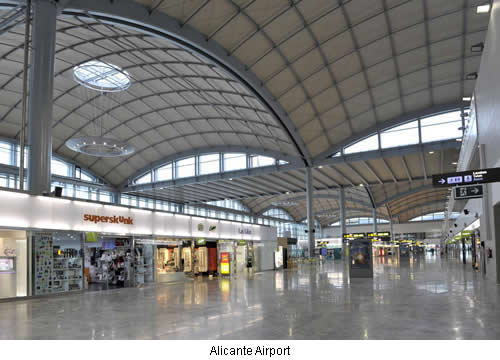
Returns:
(212, 228)
(242, 242)
(108, 219)
(468, 192)
(245, 231)
(470, 177)
(200, 227)
(201, 241)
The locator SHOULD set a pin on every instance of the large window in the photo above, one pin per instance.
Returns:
(164, 173)
(5, 153)
(439, 127)
(278, 213)
(209, 164)
(60, 168)
(442, 127)
(144, 179)
(185, 168)
(434, 217)
(258, 161)
(235, 161)
(368, 144)
(402, 135)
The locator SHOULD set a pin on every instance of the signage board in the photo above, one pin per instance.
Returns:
(224, 263)
(469, 177)
(91, 237)
(379, 234)
(468, 192)
(354, 235)
(242, 242)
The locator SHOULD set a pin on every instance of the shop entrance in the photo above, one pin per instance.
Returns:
(13, 264)
(108, 262)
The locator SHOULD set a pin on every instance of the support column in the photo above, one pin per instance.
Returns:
(392, 230)
(342, 212)
(310, 210)
(374, 220)
(41, 95)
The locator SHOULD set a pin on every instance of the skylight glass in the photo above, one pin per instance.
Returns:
(442, 127)
(101, 76)
(402, 135)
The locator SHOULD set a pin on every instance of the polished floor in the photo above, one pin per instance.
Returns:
(422, 298)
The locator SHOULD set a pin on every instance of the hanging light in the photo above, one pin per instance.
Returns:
(104, 78)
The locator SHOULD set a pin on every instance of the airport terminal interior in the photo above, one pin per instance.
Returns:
(249, 169)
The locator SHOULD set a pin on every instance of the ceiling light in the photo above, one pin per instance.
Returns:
(459, 139)
(361, 185)
(431, 152)
(101, 76)
(482, 9)
(466, 98)
(230, 179)
(454, 163)
(320, 167)
(471, 76)
(288, 192)
(99, 146)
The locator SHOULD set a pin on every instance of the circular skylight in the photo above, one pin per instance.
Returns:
(101, 76)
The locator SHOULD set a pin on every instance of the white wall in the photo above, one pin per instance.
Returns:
(487, 97)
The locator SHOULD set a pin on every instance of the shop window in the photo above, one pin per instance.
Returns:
(368, 144)
(209, 164)
(402, 135)
(13, 264)
(235, 161)
(185, 168)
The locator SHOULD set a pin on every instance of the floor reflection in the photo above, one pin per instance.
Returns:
(419, 297)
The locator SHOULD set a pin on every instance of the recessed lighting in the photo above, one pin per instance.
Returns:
(431, 152)
(459, 139)
(230, 179)
(454, 163)
(466, 98)
(288, 192)
(482, 9)
(320, 167)
(361, 185)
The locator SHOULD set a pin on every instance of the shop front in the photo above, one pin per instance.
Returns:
(52, 245)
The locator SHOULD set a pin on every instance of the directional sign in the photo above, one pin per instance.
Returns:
(468, 192)
(354, 236)
(470, 177)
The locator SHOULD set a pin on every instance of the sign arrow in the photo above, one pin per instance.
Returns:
(475, 190)
(442, 181)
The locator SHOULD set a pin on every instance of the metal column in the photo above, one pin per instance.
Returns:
(486, 237)
(342, 212)
(41, 95)
(374, 220)
(310, 211)
(22, 140)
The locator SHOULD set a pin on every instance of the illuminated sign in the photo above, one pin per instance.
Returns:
(245, 231)
(200, 227)
(468, 192)
(354, 236)
(379, 234)
(470, 177)
(108, 219)
(224, 263)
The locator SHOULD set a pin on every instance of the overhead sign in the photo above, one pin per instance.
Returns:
(354, 236)
(380, 234)
(470, 177)
(468, 192)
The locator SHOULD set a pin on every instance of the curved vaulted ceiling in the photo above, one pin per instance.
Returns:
(293, 77)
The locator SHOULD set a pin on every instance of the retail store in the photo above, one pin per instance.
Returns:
(51, 245)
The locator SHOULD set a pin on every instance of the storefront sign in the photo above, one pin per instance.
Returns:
(201, 242)
(24, 211)
(242, 242)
